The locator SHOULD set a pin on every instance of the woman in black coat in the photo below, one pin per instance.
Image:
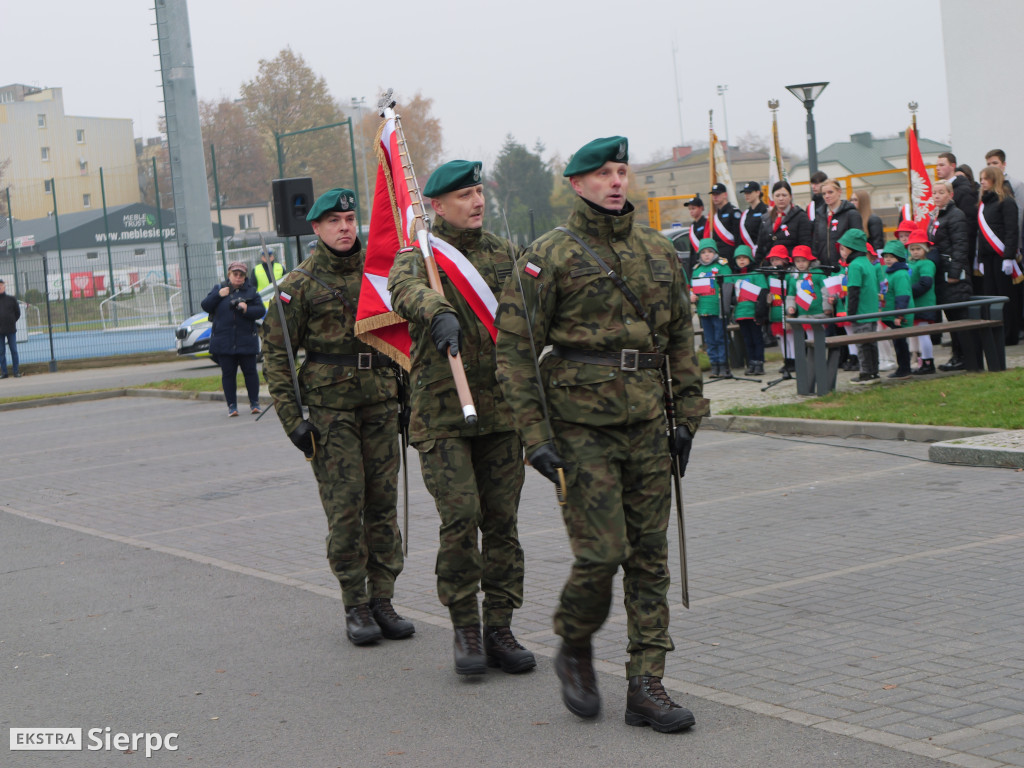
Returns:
(234, 307)
(832, 222)
(998, 243)
(949, 233)
(784, 224)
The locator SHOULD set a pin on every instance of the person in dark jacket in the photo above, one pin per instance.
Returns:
(10, 312)
(234, 307)
(948, 230)
(998, 242)
(836, 218)
(725, 223)
(817, 201)
(750, 219)
(861, 200)
(965, 196)
(784, 224)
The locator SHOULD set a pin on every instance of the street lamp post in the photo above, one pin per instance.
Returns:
(358, 104)
(808, 93)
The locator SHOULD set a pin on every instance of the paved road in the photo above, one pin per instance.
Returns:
(852, 604)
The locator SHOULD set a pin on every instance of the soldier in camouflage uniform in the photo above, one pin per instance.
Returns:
(474, 472)
(604, 394)
(352, 430)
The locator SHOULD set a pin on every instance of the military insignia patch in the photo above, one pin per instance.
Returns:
(476, 173)
(622, 151)
(285, 297)
(531, 269)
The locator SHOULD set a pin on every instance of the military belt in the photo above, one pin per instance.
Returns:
(625, 359)
(364, 361)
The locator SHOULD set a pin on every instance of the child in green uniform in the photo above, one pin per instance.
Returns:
(897, 293)
(781, 263)
(704, 292)
(922, 285)
(861, 298)
(751, 313)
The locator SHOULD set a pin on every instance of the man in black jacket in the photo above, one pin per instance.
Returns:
(9, 314)
(725, 224)
(750, 219)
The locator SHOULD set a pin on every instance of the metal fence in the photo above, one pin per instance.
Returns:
(130, 301)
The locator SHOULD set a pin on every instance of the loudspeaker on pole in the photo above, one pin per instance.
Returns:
(292, 200)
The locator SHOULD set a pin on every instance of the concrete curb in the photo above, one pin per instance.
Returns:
(82, 397)
(919, 433)
(1004, 451)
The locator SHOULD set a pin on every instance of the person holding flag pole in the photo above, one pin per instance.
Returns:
(473, 471)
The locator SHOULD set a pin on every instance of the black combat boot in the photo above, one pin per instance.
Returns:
(360, 626)
(758, 368)
(575, 669)
(955, 364)
(469, 655)
(648, 703)
(392, 626)
(503, 650)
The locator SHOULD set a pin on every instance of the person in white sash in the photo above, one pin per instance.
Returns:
(998, 243)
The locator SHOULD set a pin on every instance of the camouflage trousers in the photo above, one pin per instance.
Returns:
(616, 513)
(356, 467)
(476, 482)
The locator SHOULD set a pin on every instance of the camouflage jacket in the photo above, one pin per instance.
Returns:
(575, 304)
(435, 405)
(320, 322)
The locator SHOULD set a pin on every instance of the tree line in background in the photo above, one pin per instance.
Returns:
(287, 96)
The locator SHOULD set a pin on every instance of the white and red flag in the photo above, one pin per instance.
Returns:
(805, 293)
(748, 291)
(392, 228)
(703, 286)
(834, 285)
(921, 204)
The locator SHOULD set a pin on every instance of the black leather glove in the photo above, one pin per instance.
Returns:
(303, 437)
(682, 442)
(546, 460)
(446, 333)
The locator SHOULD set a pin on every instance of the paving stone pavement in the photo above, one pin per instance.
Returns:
(850, 586)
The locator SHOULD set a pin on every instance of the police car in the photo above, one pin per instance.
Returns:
(680, 238)
(192, 337)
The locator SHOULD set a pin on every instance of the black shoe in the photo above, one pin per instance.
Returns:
(851, 364)
(790, 365)
(17, 375)
(360, 626)
(954, 364)
(575, 670)
(898, 374)
(865, 378)
(927, 367)
(715, 371)
(503, 650)
(724, 372)
(750, 370)
(392, 626)
(648, 703)
(469, 656)
(758, 369)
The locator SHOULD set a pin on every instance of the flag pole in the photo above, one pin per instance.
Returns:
(912, 106)
(422, 227)
(711, 167)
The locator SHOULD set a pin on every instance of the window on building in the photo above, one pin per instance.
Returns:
(80, 136)
(671, 175)
(41, 121)
(649, 180)
(44, 153)
(92, 255)
(48, 186)
(650, 193)
(245, 221)
(140, 251)
(87, 201)
(83, 167)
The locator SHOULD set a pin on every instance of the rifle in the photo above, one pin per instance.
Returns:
(421, 224)
(560, 489)
(288, 348)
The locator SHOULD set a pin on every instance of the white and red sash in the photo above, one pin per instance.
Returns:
(694, 239)
(906, 214)
(811, 208)
(986, 230)
(724, 234)
(745, 234)
(469, 282)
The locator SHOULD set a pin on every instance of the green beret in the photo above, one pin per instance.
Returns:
(707, 242)
(458, 174)
(743, 250)
(341, 200)
(895, 248)
(855, 240)
(592, 156)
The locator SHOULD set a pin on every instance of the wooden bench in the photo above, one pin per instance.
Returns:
(817, 359)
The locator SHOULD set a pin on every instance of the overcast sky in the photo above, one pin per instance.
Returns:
(562, 71)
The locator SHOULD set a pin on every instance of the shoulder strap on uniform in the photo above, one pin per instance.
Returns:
(619, 283)
(336, 292)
